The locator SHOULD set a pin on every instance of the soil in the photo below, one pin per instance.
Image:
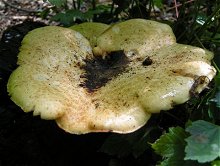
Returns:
(13, 12)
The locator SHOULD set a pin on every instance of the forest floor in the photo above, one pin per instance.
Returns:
(14, 12)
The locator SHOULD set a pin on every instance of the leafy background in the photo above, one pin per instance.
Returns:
(187, 135)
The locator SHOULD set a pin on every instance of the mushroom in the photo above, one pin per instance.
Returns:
(90, 30)
(49, 62)
(59, 78)
(135, 36)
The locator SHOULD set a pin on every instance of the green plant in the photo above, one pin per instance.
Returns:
(107, 12)
(199, 142)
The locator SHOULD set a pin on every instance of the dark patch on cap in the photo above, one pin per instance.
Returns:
(147, 61)
(99, 71)
(197, 85)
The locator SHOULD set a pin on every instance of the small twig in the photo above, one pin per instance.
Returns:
(21, 9)
(178, 5)
(216, 66)
(199, 41)
(176, 8)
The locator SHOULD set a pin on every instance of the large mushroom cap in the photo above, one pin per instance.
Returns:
(135, 36)
(59, 78)
(90, 30)
(126, 102)
(47, 57)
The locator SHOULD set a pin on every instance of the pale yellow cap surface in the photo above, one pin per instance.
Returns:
(53, 72)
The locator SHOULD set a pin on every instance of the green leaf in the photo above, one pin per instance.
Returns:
(201, 18)
(45, 13)
(170, 143)
(217, 99)
(158, 3)
(177, 160)
(216, 163)
(171, 146)
(58, 3)
(63, 18)
(69, 16)
(204, 143)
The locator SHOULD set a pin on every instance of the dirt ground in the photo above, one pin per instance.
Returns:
(13, 12)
